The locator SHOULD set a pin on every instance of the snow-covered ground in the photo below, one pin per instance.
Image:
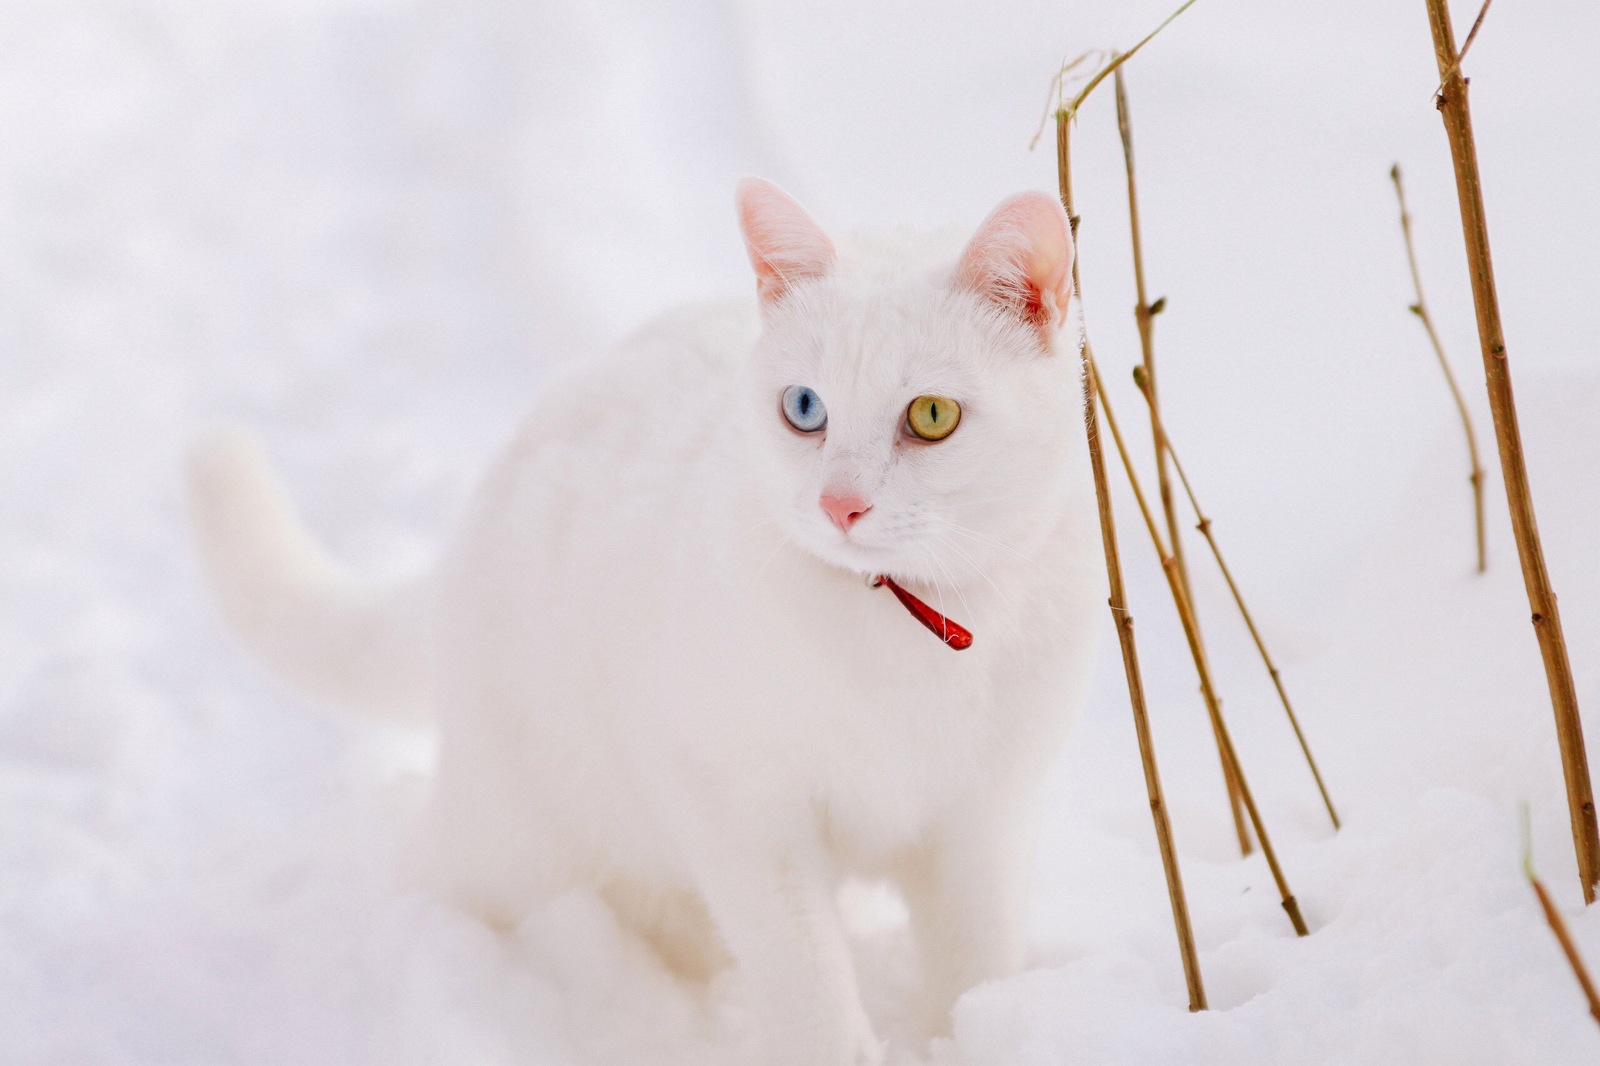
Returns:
(367, 228)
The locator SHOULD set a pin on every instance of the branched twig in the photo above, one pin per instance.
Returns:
(1144, 316)
(1558, 924)
(1186, 616)
(1070, 109)
(1420, 309)
(1053, 101)
(1452, 104)
(1076, 102)
(1204, 527)
(1124, 624)
(1472, 35)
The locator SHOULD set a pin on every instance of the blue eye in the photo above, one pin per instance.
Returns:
(803, 408)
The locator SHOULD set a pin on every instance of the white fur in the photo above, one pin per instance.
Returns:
(344, 641)
(657, 668)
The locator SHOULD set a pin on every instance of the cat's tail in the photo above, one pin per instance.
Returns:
(359, 646)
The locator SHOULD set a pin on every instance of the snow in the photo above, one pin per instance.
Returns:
(367, 228)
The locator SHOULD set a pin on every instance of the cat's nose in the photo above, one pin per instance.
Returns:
(844, 511)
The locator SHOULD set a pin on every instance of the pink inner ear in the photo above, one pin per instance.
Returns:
(785, 243)
(1021, 258)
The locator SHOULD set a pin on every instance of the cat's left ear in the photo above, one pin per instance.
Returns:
(785, 243)
(1021, 259)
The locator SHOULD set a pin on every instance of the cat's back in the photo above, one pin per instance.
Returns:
(646, 415)
(618, 454)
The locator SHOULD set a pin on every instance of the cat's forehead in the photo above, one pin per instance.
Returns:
(906, 327)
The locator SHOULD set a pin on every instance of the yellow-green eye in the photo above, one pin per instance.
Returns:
(933, 417)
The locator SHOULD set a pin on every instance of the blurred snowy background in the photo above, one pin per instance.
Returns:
(367, 228)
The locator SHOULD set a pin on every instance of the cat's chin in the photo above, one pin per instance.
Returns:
(869, 561)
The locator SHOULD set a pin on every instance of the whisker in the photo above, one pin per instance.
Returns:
(986, 501)
(1008, 620)
(953, 546)
(938, 589)
(984, 538)
(954, 584)
(773, 554)
(758, 524)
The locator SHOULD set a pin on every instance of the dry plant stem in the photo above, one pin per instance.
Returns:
(1452, 104)
(1058, 85)
(1124, 625)
(1244, 612)
(1472, 35)
(1052, 100)
(1420, 309)
(1144, 315)
(1558, 926)
(1201, 665)
(1071, 108)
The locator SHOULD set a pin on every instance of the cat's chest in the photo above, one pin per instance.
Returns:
(915, 742)
(859, 708)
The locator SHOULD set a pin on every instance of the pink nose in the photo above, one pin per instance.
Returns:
(844, 511)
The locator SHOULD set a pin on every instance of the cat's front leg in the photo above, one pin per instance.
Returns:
(776, 911)
(967, 894)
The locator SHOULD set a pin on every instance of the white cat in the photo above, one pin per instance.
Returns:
(655, 658)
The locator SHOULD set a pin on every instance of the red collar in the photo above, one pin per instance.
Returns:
(955, 637)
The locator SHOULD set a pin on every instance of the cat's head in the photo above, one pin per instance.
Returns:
(913, 419)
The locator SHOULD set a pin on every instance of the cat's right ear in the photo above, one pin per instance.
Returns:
(785, 243)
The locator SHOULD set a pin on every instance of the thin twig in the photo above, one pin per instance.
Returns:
(1420, 309)
(1123, 621)
(1204, 527)
(1144, 316)
(1452, 104)
(1053, 101)
(1201, 665)
(1472, 35)
(1071, 110)
(1558, 924)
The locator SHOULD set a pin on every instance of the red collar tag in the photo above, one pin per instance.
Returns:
(955, 637)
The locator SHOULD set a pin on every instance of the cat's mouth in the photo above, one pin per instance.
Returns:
(893, 542)
(868, 556)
